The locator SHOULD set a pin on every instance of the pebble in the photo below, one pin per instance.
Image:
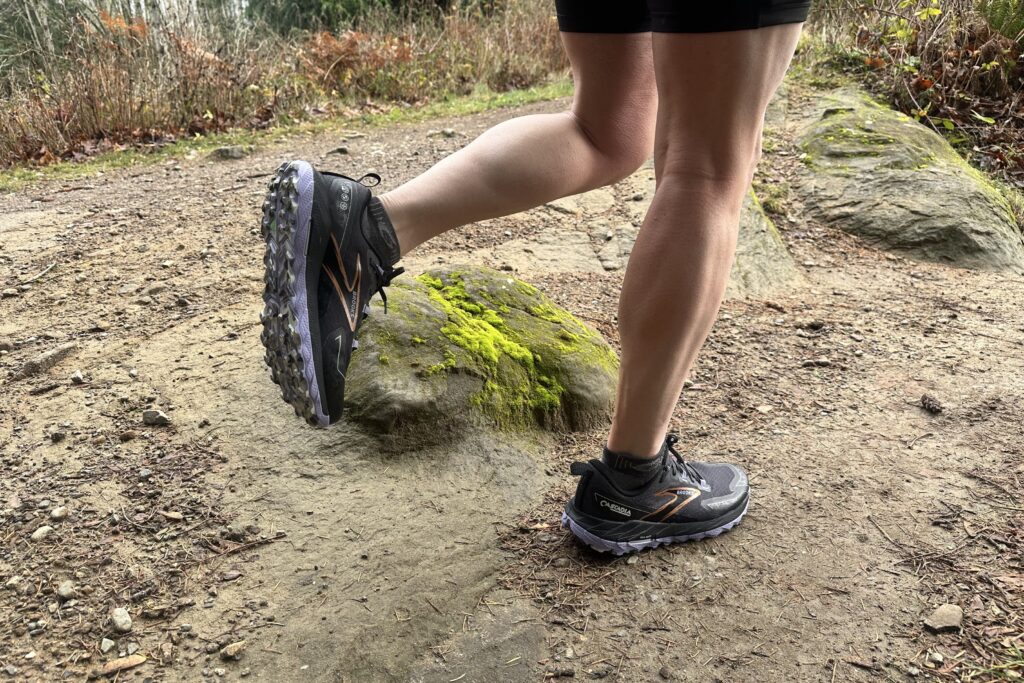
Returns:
(42, 532)
(127, 435)
(77, 377)
(339, 150)
(145, 474)
(11, 670)
(913, 671)
(155, 418)
(936, 658)
(66, 590)
(666, 673)
(945, 618)
(12, 583)
(121, 619)
(9, 293)
(822, 362)
(560, 562)
(132, 648)
(106, 645)
(57, 436)
(233, 651)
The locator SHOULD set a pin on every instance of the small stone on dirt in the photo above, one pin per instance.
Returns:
(77, 377)
(339, 150)
(106, 645)
(155, 418)
(145, 475)
(822, 362)
(560, 562)
(936, 658)
(945, 618)
(127, 435)
(172, 515)
(66, 590)
(231, 576)
(666, 674)
(59, 513)
(10, 293)
(41, 533)
(121, 620)
(132, 648)
(233, 651)
(57, 436)
(229, 152)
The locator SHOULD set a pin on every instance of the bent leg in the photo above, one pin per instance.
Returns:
(527, 161)
(713, 89)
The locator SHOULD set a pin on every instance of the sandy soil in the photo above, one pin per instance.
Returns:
(334, 562)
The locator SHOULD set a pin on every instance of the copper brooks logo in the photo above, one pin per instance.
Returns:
(350, 286)
(674, 495)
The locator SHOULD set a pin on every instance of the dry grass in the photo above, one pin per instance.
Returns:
(116, 79)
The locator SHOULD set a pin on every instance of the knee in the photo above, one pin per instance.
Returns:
(724, 166)
(623, 141)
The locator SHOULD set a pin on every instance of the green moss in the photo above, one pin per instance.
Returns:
(418, 340)
(383, 359)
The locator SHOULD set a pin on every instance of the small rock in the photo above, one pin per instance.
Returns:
(10, 292)
(155, 418)
(560, 562)
(41, 533)
(632, 559)
(66, 590)
(10, 670)
(121, 619)
(244, 673)
(106, 645)
(132, 648)
(339, 150)
(12, 583)
(229, 152)
(185, 628)
(58, 514)
(666, 674)
(945, 618)
(145, 474)
(233, 651)
(822, 362)
(172, 515)
(145, 300)
(127, 435)
(913, 671)
(77, 377)
(638, 197)
(57, 436)
(936, 658)
(560, 671)
(231, 576)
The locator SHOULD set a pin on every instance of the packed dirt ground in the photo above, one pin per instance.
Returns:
(226, 519)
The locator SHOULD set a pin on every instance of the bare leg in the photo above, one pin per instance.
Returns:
(713, 89)
(527, 161)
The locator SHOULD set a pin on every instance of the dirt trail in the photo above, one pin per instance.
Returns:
(337, 563)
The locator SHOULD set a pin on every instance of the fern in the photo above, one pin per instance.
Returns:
(1004, 16)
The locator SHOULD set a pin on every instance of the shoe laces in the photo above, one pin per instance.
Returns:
(673, 463)
(384, 278)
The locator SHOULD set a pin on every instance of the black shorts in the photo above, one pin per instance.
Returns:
(676, 16)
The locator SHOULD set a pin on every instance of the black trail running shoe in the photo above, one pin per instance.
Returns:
(330, 248)
(682, 501)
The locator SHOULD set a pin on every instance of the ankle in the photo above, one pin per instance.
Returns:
(398, 224)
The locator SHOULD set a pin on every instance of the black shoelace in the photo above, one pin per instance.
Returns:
(384, 278)
(675, 464)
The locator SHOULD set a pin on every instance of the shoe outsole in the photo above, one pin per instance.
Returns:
(286, 335)
(602, 545)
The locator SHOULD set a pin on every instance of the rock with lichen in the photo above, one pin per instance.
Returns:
(876, 173)
(464, 346)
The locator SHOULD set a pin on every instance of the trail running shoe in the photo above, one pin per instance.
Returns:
(330, 248)
(679, 501)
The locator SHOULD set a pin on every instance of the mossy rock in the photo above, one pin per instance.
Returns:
(875, 172)
(461, 347)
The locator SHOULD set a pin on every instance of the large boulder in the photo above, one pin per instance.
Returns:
(463, 346)
(877, 173)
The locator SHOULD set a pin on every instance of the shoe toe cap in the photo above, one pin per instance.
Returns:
(729, 487)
